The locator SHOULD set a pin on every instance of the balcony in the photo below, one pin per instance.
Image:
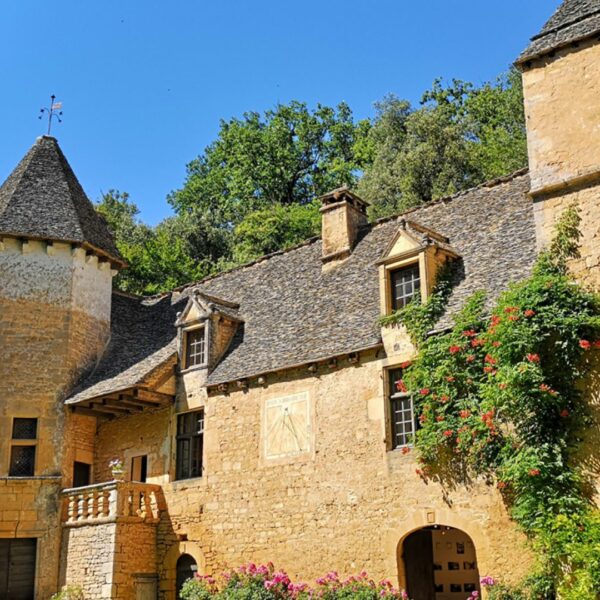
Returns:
(113, 501)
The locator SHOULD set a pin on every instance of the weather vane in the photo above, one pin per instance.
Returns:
(53, 111)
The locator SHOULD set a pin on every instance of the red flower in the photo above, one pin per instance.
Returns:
(439, 418)
(496, 344)
(448, 433)
(495, 320)
(489, 369)
(534, 472)
(465, 414)
(450, 379)
(529, 312)
(422, 418)
(511, 309)
(444, 398)
(564, 413)
(584, 344)
(490, 359)
(534, 358)
(501, 485)
(469, 333)
(513, 318)
(545, 387)
(401, 386)
(478, 342)
(424, 391)
(596, 344)
(405, 450)
(405, 364)
(502, 386)
(454, 349)
(470, 358)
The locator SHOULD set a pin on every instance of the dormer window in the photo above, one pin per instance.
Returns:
(195, 347)
(405, 283)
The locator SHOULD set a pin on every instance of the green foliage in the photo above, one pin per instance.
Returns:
(460, 136)
(263, 582)
(287, 156)
(69, 592)
(498, 398)
(275, 228)
(419, 317)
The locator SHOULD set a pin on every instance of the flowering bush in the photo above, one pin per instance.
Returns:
(502, 402)
(264, 582)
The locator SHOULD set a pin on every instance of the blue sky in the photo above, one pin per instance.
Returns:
(144, 83)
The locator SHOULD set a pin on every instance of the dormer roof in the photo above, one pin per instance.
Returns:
(573, 21)
(412, 237)
(42, 199)
(201, 306)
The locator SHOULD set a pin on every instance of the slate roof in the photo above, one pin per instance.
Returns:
(143, 337)
(294, 313)
(574, 20)
(42, 199)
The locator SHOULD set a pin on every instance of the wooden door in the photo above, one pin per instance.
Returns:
(418, 564)
(17, 568)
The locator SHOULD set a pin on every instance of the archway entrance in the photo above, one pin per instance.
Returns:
(186, 569)
(440, 563)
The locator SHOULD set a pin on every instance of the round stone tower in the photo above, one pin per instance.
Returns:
(57, 260)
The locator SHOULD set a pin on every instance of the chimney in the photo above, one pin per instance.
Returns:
(343, 215)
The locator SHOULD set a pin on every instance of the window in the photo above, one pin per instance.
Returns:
(195, 347)
(190, 440)
(22, 454)
(401, 410)
(405, 282)
(82, 474)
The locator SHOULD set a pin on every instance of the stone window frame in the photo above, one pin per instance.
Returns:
(29, 442)
(183, 336)
(395, 263)
(389, 410)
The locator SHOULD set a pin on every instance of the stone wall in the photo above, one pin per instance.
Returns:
(103, 559)
(346, 504)
(563, 116)
(54, 319)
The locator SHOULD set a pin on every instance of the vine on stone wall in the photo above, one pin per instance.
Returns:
(497, 396)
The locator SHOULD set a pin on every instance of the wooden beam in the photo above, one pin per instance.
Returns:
(122, 404)
(82, 410)
(157, 397)
(137, 401)
(98, 406)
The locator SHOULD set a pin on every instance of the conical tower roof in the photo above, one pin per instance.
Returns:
(42, 199)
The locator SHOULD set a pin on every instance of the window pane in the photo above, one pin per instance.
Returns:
(22, 461)
(195, 347)
(24, 429)
(190, 438)
(406, 283)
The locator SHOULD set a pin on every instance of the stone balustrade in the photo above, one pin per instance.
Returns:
(111, 501)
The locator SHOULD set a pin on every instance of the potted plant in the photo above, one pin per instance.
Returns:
(116, 468)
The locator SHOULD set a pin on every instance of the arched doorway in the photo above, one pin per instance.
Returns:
(440, 563)
(186, 568)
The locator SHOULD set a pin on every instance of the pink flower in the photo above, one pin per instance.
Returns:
(424, 391)
(487, 580)
(529, 312)
(534, 358)
(448, 433)
(584, 344)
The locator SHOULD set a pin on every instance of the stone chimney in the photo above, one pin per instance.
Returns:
(343, 216)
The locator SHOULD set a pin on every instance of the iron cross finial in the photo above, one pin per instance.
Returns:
(53, 111)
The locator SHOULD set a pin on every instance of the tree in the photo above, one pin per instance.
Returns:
(287, 156)
(458, 138)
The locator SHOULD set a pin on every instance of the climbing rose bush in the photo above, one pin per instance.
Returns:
(264, 582)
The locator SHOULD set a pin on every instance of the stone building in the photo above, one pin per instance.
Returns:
(255, 412)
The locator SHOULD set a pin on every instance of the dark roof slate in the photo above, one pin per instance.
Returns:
(43, 199)
(143, 337)
(574, 20)
(294, 313)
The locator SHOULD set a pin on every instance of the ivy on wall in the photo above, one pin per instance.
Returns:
(498, 396)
